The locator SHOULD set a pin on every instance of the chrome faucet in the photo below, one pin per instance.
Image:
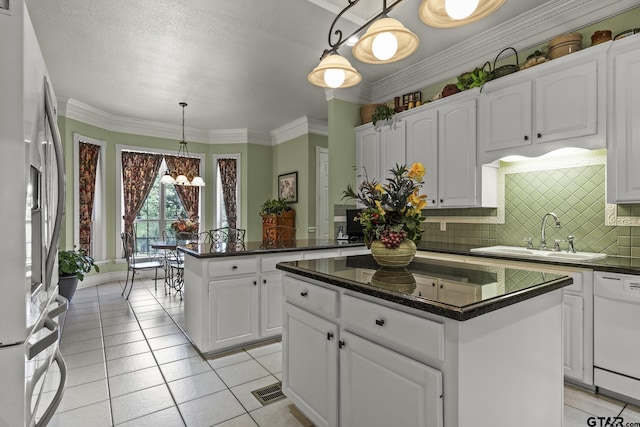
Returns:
(543, 237)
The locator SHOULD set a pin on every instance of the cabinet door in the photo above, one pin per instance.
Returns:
(392, 148)
(506, 117)
(457, 154)
(379, 387)
(572, 311)
(566, 104)
(367, 155)
(310, 365)
(422, 146)
(458, 293)
(233, 318)
(271, 304)
(623, 158)
(427, 286)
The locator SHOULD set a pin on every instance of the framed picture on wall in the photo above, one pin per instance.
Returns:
(288, 187)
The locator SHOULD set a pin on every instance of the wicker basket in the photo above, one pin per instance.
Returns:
(366, 111)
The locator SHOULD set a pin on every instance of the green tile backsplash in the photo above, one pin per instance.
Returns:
(575, 194)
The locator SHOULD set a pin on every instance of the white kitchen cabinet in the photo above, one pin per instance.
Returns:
(422, 146)
(310, 365)
(233, 317)
(554, 105)
(572, 309)
(457, 155)
(379, 150)
(411, 391)
(368, 165)
(623, 151)
(271, 304)
(458, 292)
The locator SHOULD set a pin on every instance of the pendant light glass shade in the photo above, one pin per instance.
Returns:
(434, 12)
(333, 72)
(167, 179)
(377, 44)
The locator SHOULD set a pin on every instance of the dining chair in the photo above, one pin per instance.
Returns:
(227, 235)
(135, 266)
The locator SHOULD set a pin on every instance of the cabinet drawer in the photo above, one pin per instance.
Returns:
(415, 336)
(311, 297)
(322, 253)
(233, 266)
(268, 262)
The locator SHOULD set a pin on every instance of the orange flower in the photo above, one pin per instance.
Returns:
(416, 172)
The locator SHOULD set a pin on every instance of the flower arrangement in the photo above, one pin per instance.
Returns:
(185, 225)
(393, 211)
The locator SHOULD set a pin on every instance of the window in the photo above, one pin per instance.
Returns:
(221, 212)
(160, 209)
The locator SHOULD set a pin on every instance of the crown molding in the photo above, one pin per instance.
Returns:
(76, 110)
(531, 29)
(359, 94)
(301, 126)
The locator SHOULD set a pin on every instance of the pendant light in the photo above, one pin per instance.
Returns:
(385, 41)
(181, 177)
(334, 71)
(455, 13)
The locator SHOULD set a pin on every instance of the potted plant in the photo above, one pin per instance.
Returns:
(383, 113)
(276, 212)
(72, 266)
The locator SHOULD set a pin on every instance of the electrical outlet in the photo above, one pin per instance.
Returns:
(443, 226)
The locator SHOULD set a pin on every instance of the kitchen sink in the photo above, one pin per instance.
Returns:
(517, 252)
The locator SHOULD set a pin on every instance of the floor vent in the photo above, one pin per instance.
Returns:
(269, 394)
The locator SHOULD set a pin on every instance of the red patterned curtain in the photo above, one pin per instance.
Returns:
(189, 196)
(87, 177)
(139, 171)
(228, 181)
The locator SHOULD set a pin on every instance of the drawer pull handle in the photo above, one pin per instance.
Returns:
(610, 278)
(235, 267)
(329, 336)
(303, 294)
(380, 322)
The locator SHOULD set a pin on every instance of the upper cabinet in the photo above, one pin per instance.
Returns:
(623, 151)
(558, 104)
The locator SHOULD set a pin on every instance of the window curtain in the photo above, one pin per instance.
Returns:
(189, 196)
(139, 172)
(88, 154)
(228, 181)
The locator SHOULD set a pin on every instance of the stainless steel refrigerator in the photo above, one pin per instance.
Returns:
(32, 205)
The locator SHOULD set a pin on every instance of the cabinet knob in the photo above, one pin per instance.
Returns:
(341, 344)
(329, 336)
(255, 283)
(264, 281)
(303, 294)
(539, 135)
(380, 322)
(235, 267)
(526, 137)
(441, 286)
(433, 201)
(433, 284)
(441, 201)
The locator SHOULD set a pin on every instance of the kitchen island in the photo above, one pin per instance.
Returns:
(437, 344)
(233, 294)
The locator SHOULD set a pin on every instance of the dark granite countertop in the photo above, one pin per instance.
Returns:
(613, 264)
(489, 288)
(206, 250)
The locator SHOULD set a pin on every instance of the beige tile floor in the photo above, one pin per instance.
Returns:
(130, 364)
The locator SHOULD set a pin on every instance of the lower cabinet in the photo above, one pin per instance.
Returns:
(577, 312)
(371, 373)
(310, 361)
(271, 304)
(234, 318)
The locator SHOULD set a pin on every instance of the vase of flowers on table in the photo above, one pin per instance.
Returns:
(392, 214)
(182, 225)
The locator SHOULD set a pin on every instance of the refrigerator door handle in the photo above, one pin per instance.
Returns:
(53, 406)
(63, 305)
(33, 349)
(57, 147)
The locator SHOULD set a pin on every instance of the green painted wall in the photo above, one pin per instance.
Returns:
(257, 178)
(343, 118)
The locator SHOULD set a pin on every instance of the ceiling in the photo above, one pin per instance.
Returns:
(239, 64)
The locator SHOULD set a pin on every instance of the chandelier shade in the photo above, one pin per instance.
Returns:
(183, 172)
(437, 13)
(334, 71)
(385, 41)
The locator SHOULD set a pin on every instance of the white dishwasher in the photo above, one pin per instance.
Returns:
(616, 316)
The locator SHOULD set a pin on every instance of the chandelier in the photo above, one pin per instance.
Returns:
(386, 40)
(179, 176)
